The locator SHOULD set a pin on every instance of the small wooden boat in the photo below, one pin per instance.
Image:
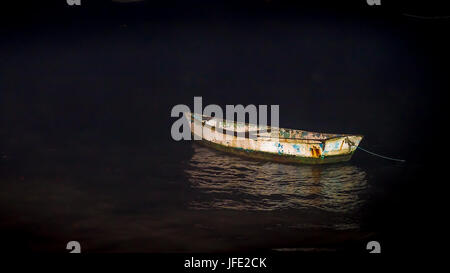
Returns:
(272, 143)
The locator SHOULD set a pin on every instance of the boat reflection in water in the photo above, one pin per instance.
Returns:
(230, 182)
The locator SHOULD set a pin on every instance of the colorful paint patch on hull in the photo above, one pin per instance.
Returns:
(277, 157)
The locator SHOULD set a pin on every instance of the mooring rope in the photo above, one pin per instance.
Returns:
(382, 156)
(426, 17)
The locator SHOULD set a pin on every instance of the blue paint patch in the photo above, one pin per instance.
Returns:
(296, 147)
(279, 148)
(336, 146)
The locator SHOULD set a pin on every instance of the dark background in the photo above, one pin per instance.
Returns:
(104, 76)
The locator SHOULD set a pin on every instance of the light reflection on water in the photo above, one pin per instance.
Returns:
(230, 182)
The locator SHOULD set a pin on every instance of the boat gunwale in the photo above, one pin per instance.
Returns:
(279, 137)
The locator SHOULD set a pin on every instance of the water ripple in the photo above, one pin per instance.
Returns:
(229, 182)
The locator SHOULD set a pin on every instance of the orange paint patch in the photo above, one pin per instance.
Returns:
(315, 152)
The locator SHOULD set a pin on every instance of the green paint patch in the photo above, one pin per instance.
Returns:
(285, 134)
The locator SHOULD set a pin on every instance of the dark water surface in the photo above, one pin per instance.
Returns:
(86, 152)
(184, 197)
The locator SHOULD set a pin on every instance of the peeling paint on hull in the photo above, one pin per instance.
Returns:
(277, 157)
(274, 144)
